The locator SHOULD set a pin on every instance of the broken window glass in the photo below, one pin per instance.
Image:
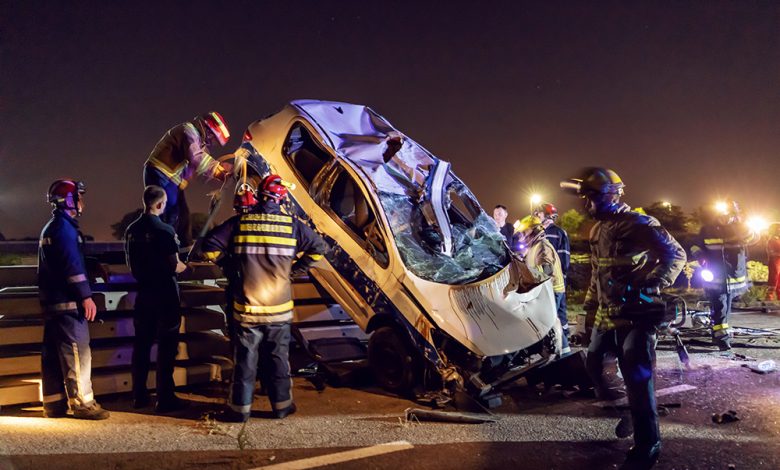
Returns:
(479, 250)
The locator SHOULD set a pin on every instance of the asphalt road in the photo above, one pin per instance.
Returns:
(538, 428)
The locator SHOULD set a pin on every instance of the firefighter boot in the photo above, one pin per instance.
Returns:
(284, 412)
(92, 411)
(722, 339)
(642, 457)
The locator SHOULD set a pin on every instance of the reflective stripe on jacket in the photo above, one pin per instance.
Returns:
(723, 249)
(181, 153)
(542, 254)
(628, 249)
(62, 274)
(258, 251)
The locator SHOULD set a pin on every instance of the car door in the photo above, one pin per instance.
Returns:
(359, 262)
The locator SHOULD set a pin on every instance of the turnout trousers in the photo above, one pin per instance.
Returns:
(634, 347)
(720, 308)
(560, 305)
(157, 318)
(66, 363)
(264, 350)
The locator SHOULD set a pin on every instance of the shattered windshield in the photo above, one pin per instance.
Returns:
(478, 249)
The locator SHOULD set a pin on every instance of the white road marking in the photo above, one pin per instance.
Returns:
(340, 457)
(658, 393)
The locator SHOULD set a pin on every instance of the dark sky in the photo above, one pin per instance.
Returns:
(682, 99)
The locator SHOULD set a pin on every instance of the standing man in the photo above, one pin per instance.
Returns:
(181, 153)
(66, 298)
(629, 251)
(773, 255)
(152, 252)
(259, 251)
(722, 252)
(500, 213)
(541, 256)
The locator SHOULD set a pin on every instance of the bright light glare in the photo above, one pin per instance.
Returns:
(757, 223)
(536, 199)
(666, 204)
(722, 207)
(707, 275)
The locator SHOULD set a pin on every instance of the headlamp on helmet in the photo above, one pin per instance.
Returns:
(65, 194)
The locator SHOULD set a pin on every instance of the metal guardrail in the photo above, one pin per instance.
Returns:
(204, 351)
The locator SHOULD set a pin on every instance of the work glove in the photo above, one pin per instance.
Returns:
(652, 286)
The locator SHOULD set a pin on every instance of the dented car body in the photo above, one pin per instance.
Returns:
(412, 252)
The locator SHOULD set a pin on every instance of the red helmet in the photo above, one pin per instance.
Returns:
(273, 187)
(245, 198)
(65, 194)
(213, 122)
(549, 210)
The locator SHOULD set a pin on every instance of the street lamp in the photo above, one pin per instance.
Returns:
(535, 199)
(721, 207)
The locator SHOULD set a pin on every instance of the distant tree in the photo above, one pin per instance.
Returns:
(571, 221)
(672, 217)
(118, 229)
(2, 237)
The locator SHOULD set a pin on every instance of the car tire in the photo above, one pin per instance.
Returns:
(392, 361)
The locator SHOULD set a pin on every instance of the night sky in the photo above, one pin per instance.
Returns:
(681, 99)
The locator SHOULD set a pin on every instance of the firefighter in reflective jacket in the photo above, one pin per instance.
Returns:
(773, 256)
(179, 155)
(722, 252)
(66, 298)
(629, 251)
(258, 250)
(541, 256)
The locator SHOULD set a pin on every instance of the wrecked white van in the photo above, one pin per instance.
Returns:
(414, 259)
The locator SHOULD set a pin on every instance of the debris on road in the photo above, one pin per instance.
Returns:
(763, 367)
(449, 416)
(728, 417)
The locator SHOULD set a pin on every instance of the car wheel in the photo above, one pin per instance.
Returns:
(392, 361)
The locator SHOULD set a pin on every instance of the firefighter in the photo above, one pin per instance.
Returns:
(559, 239)
(66, 298)
(541, 256)
(258, 250)
(773, 256)
(152, 252)
(557, 236)
(721, 250)
(180, 154)
(629, 252)
(500, 214)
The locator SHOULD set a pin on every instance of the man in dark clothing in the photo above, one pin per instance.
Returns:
(152, 249)
(66, 298)
(179, 155)
(630, 252)
(258, 250)
(500, 214)
(722, 252)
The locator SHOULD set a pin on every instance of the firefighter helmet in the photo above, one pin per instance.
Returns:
(65, 194)
(216, 125)
(274, 188)
(595, 181)
(549, 211)
(245, 197)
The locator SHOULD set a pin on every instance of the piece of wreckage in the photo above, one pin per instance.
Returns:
(414, 259)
